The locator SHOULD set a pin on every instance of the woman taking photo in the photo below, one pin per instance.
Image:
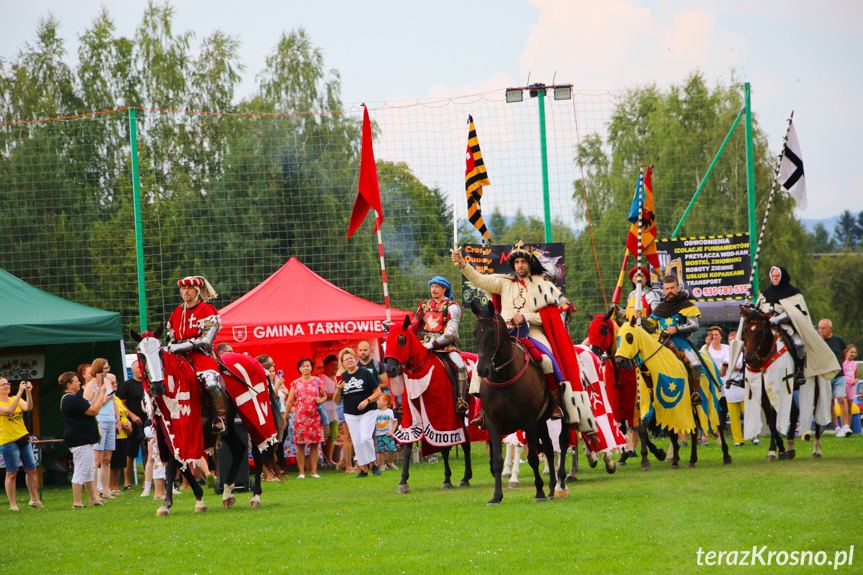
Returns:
(81, 433)
(307, 394)
(360, 392)
(109, 421)
(15, 441)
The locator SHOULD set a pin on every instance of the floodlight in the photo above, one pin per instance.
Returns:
(514, 95)
(563, 92)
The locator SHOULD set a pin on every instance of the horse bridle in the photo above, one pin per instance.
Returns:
(497, 344)
(762, 335)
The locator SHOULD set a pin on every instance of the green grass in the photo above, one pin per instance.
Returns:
(630, 522)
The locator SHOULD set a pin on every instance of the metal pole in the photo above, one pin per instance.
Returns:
(544, 152)
(709, 171)
(750, 187)
(639, 190)
(139, 236)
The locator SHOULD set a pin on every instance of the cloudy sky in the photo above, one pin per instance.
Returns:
(798, 55)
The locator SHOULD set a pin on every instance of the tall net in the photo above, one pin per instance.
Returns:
(232, 197)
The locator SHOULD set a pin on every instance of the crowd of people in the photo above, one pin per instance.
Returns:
(346, 402)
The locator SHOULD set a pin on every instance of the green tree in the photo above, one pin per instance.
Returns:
(819, 240)
(847, 232)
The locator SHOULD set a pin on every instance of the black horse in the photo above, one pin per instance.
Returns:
(405, 353)
(159, 365)
(514, 396)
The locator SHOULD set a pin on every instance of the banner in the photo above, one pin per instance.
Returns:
(491, 259)
(16, 366)
(710, 268)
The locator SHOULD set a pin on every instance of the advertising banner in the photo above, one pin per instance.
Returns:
(710, 268)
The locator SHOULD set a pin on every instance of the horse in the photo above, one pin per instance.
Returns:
(178, 421)
(665, 392)
(770, 381)
(621, 385)
(428, 404)
(514, 396)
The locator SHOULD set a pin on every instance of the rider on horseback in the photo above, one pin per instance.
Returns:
(522, 298)
(192, 329)
(436, 325)
(776, 299)
(649, 298)
(678, 317)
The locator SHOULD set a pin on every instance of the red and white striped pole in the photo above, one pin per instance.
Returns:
(384, 276)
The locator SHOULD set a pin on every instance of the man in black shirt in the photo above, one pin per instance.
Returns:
(837, 346)
(131, 393)
(370, 364)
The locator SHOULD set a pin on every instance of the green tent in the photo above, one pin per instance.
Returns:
(67, 333)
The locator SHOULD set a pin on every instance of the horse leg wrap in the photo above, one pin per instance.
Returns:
(474, 384)
(578, 410)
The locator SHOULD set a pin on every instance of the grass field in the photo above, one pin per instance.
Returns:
(630, 522)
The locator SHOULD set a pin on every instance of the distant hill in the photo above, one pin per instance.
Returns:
(829, 223)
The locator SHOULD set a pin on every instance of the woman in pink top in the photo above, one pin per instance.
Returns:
(849, 366)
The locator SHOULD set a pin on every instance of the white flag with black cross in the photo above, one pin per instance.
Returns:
(791, 170)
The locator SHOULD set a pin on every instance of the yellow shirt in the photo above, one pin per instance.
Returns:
(124, 418)
(12, 427)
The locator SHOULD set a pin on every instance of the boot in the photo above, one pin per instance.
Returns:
(695, 383)
(479, 420)
(462, 404)
(799, 376)
(556, 413)
(219, 421)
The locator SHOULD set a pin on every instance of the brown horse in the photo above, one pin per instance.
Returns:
(514, 396)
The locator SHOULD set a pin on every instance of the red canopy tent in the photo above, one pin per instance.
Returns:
(296, 313)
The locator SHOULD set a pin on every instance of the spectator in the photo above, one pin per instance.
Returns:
(373, 366)
(331, 367)
(224, 347)
(108, 419)
(278, 395)
(837, 346)
(131, 393)
(719, 352)
(734, 395)
(307, 394)
(85, 373)
(15, 441)
(385, 428)
(81, 433)
(118, 457)
(360, 392)
(849, 368)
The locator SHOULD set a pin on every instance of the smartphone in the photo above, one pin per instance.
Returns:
(110, 393)
(281, 373)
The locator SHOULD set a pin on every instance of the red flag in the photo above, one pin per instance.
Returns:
(369, 195)
(648, 224)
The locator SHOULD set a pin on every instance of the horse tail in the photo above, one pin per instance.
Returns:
(270, 459)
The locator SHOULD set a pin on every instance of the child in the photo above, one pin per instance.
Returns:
(385, 427)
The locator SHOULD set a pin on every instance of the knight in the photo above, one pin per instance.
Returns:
(678, 317)
(778, 298)
(525, 301)
(192, 329)
(436, 324)
(649, 298)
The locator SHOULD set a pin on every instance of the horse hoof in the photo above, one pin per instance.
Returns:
(645, 465)
(771, 458)
(561, 493)
(228, 503)
(512, 485)
(464, 483)
(690, 465)
(675, 466)
(446, 485)
(200, 509)
(726, 460)
(162, 512)
(791, 453)
(816, 456)
(506, 475)
(570, 479)
(783, 456)
(493, 503)
(661, 455)
(403, 488)
(540, 499)
(592, 462)
(610, 466)
(254, 504)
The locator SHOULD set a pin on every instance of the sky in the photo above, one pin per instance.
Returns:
(798, 55)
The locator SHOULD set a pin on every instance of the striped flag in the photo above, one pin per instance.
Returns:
(475, 177)
(644, 192)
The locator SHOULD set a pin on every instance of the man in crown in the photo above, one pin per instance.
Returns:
(436, 324)
(192, 329)
(529, 303)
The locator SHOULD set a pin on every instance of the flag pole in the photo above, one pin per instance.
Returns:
(384, 276)
(640, 191)
(735, 350)
(615, 299)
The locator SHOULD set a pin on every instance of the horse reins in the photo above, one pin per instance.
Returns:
(494, 367)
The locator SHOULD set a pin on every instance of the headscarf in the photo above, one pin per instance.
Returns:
(782, 290)
(442, 281)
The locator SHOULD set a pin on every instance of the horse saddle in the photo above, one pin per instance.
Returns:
(448, 365)
(533, 352)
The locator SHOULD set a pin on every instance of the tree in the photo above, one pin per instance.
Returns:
(819, 240)
(848, 231)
